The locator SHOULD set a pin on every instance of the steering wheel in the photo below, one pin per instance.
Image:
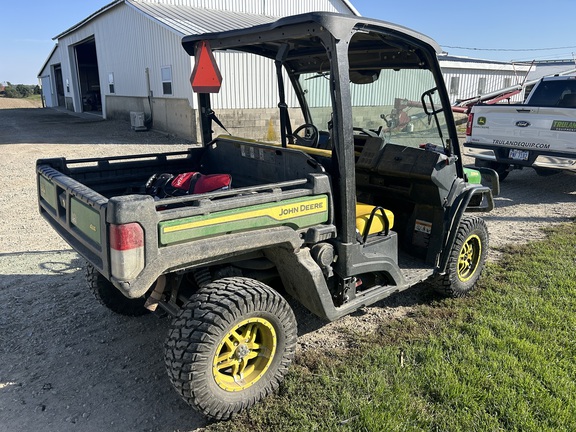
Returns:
(310, 138)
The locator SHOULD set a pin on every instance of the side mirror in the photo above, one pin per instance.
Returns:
(364, 76)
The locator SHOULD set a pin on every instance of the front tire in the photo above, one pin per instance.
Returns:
(230, 346)
(467, 258)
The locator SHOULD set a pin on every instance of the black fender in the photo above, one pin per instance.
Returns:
(455, 214)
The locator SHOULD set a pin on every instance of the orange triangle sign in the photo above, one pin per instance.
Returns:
(206, 77)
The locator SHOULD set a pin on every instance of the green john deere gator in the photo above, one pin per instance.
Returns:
(354, 192)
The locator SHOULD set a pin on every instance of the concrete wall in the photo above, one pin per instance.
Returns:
(174, 116)
(170, 115)
(119, 107)
(261, 124)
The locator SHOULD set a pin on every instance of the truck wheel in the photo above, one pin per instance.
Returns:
(500, 168)
(108, 295)
(467, 258)
(546, 172)
(230, 346)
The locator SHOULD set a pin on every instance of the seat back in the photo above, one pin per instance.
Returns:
(372, 219)
(568, 101)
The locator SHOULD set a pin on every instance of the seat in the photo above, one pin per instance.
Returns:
(372, 219)
(568, 101)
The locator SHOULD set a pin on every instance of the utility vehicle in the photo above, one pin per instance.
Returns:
(366, 198)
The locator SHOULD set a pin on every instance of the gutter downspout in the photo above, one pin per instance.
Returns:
(150, 120)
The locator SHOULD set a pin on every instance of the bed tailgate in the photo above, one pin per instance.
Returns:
(76, 212)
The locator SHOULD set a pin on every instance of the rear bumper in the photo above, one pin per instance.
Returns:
(537, 159)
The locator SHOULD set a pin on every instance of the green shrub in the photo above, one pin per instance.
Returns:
(21, 90)
(11, 92)
(24, 90)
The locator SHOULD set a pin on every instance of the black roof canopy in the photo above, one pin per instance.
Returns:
(389, 44)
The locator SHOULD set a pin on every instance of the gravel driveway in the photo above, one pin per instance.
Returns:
(69, 364)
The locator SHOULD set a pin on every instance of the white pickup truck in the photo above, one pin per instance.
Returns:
(540, 133)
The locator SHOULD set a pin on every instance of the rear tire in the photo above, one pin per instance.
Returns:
(111, 297)
(467, 258)
(546, 172)
(230, 346)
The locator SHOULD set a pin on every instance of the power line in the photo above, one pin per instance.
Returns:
(507, 49)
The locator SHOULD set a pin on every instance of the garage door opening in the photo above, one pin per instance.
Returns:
(89, 77)
(59, 82)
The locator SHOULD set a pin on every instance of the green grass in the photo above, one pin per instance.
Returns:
(34, 97)
(502, 359)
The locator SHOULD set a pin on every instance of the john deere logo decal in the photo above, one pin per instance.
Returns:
(296, 213)
(481, 121)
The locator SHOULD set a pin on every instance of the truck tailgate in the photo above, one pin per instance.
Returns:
(525, 127)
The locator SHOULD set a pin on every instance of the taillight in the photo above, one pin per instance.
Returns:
(126, 250)
(469, 124)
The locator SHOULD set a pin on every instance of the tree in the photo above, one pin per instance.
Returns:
(10, 92)
(20, 90)
(24, 90)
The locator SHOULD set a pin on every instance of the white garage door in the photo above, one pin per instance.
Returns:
(47, 91)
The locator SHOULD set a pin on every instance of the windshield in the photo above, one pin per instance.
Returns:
(389, 105)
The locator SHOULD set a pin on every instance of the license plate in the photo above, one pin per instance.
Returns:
(518, 154)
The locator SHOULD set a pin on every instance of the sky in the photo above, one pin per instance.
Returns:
(502, 30)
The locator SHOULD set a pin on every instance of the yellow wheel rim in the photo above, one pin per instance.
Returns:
(469, 258)
(244, 354)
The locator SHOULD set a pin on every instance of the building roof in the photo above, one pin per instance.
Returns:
(557, 62)
(544, 68)
(48, 60)
(475, 63)
(187, 20)
(89, 18)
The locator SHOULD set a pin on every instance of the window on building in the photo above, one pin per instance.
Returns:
(507, 82)
(111, 82)
(166, 80)
(481, 86)
(454, 85)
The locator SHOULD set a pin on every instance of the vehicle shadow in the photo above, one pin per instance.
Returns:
(417, 295)
(68, 363)
(525, 187)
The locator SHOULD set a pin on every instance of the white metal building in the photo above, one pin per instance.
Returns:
(543, 68)
(468, 77)
(127, 57)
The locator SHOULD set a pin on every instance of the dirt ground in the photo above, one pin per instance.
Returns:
(69, 364)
